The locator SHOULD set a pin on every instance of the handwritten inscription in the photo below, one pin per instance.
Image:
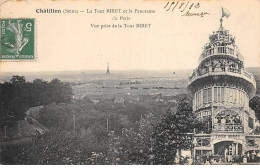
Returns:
(201, 14)
(185, 7)
(171, 6)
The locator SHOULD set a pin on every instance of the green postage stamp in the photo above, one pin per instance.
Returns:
(17, 39)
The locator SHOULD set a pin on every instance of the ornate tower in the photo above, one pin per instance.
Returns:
(221, 90)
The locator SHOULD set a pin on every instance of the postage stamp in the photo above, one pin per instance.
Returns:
(17, 39)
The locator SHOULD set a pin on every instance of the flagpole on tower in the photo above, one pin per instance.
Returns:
(221, 20)
(224, 12)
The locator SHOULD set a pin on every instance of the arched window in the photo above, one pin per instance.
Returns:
(203, 142)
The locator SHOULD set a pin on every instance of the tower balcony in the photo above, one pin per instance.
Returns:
(221, 50)
(200, 76)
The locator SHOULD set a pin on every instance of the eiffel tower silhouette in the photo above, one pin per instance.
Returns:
(108, 72)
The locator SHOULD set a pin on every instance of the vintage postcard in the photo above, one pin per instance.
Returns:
(129, 82)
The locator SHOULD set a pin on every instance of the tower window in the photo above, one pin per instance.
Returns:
(230, 95)
(250, 122)
(222, 94)
(219, 94)
(205, 93)
(235, 96)
(215, 94)
(209, 95)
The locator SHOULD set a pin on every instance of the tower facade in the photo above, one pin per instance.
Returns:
(221, 90)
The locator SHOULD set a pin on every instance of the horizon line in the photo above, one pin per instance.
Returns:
(109, 69)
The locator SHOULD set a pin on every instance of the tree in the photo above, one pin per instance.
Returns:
(203, 125)
(17, 96)
(132, 147)
(57, 147)
(57, 116)
(170, 134)
(254, 104)
(18, 79)
(135, 111)
(38, 92)
(99, 131)
(59, 92)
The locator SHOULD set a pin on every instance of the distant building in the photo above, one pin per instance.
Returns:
(107, 104)
(119, 101)
(134, 99)
(108, 71)
(158, 99)
(95, 101)
(172, 101)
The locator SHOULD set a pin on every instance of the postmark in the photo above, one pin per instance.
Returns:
(17, 39)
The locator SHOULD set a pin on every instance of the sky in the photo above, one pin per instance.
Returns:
(67, 42)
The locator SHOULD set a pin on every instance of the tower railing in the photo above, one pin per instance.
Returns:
(221, 50)
(222, 70)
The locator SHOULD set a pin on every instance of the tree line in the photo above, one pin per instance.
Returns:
(17, 96)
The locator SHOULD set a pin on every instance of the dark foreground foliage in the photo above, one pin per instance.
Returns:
(17, 96)
(153, 142)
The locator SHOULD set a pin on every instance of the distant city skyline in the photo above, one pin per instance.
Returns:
(68, 43)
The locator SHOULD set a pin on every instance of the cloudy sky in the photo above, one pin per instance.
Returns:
(67, 41)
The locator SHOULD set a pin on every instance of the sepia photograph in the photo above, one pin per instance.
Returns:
(120, 82)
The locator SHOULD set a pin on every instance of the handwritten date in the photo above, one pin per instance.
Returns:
(171, 6)
(185, 6)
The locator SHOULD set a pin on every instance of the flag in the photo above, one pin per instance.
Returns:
(225, 12)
